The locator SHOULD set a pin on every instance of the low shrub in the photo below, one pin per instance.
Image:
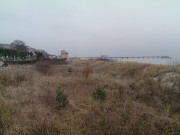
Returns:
(99, 94)
(55, 61)
(61, 99)
(19, 78)
(87, 71)
(70, 70)
(43, 67)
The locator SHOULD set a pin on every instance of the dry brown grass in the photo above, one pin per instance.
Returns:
(137, 101)
(87, 71)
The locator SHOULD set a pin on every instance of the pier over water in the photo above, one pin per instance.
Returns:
(116, 58)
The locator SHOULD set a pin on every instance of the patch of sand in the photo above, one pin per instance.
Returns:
(167, 79)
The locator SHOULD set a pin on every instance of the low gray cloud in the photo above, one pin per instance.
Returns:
(92, 28)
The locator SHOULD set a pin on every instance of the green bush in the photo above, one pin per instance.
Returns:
(99, 94)
(70, 70)
(61, 99)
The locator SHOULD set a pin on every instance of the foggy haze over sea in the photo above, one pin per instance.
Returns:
(94, 27)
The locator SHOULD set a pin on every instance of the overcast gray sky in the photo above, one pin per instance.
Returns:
(94, 27)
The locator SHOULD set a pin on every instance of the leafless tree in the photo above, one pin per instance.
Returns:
(19, 45)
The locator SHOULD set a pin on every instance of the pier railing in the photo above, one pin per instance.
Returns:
(137, 57)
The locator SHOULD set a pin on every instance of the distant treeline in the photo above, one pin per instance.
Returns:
(13, 54)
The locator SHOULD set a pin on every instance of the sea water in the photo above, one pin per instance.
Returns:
(171, 61)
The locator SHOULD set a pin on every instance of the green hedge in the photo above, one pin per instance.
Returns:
(6, 63)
